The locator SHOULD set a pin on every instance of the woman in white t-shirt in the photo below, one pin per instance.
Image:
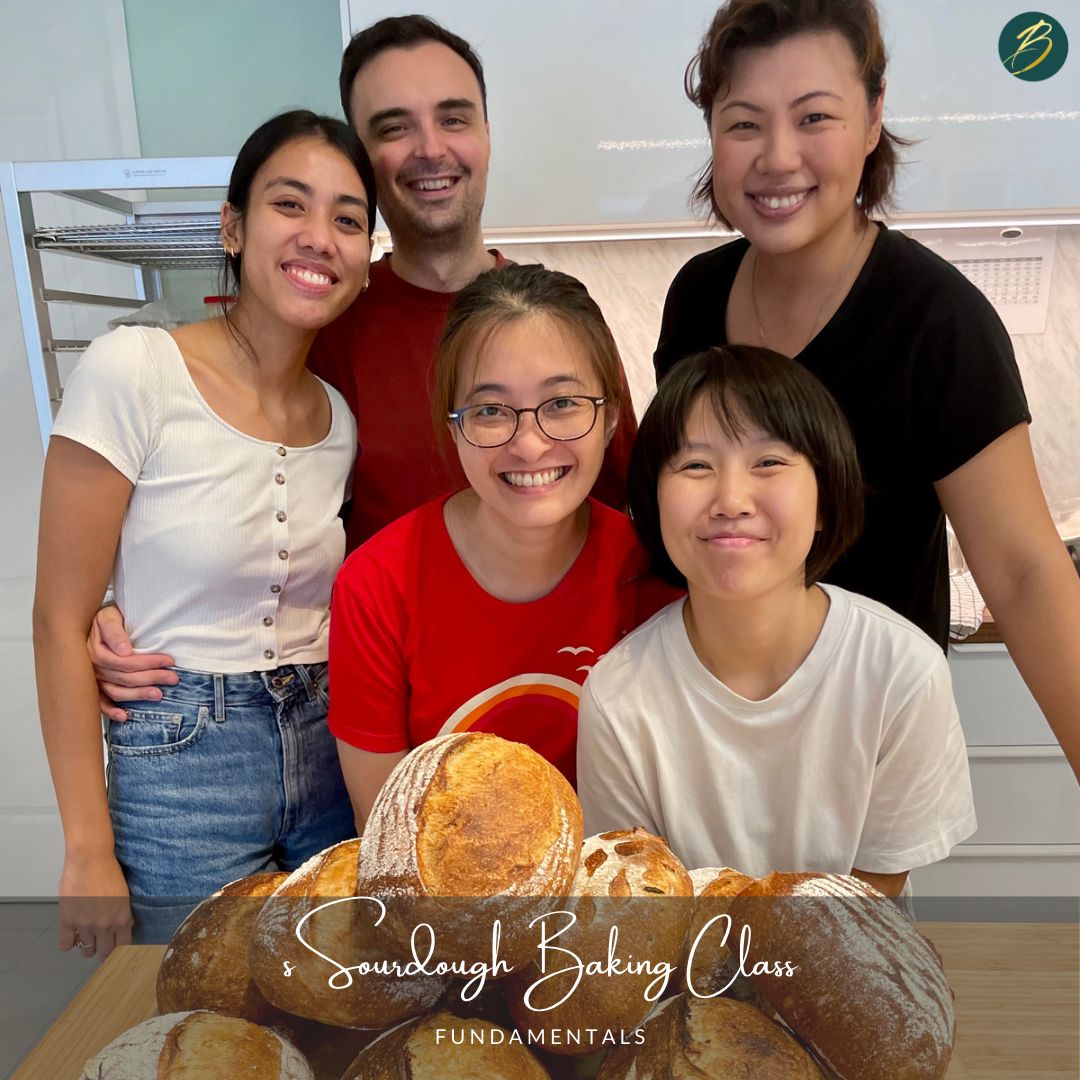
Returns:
(202, 470)
(767, 722)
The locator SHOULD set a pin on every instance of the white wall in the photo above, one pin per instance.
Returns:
(65, 92)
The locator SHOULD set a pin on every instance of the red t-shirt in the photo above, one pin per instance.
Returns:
(418, 648)
(380, 355)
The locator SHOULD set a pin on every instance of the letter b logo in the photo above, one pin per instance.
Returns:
(1033, 46)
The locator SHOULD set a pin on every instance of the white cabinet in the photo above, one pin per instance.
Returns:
(1026, 797)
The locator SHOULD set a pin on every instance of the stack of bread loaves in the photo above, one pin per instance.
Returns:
(470, 829)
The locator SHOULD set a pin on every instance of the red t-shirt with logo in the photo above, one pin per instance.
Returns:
(418, 648)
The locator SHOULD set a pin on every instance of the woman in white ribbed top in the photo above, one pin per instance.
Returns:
(203, 470)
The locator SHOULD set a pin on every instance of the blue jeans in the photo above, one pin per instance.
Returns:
(226, 776)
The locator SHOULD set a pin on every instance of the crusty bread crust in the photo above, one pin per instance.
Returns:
(206, 964)
(631, 880)
(469, 1049)
(194, 1046)
(716, 965)
(869, 996)
(469, 829)
(470, 814)
(690, 1038)
(343, 932)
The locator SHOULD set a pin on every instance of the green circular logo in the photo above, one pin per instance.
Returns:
(1033, 46)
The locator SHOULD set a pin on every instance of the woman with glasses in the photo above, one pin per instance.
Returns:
(485, 609)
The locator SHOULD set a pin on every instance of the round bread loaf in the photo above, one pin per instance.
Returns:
(206, 964)
(480, 825)
(197, 1046)
(341, 935)
(629, 884)
(868, 996)
(688, 1038)
(439, 1045)
(716, 964)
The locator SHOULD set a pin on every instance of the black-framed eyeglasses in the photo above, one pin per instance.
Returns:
(563, 419)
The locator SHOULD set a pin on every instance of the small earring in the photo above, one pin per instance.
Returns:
(364, 287)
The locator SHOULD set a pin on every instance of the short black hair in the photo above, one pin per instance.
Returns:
(401, 32)
(745, 386)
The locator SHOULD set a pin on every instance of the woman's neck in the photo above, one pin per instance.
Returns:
(754, 647)
(273, 353)
(513, 564)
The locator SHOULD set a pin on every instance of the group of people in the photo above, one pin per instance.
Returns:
(761, 646)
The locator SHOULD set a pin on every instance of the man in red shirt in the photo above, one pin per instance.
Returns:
(415, 95)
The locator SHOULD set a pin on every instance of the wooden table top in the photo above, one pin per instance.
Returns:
(1017, 991)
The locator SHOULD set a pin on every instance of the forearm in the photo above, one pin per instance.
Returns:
(71, 729)
(1038, 612)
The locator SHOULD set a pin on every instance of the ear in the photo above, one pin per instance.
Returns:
(232, 228)
(877, 114)
(611, 422)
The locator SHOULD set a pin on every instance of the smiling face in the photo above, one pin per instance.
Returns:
(737, 515)
(420, 115)
(532, 480)
(303, 237)
(789, 140)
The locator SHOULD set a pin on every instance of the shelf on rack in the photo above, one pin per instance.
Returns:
(190, 243)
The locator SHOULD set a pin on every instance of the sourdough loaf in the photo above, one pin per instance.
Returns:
(689, 1038)
(716, 964)
(441, 1046)
(485, 823)
(868, 997)
(630, 884)
(197, 1046)
(206, 964)
(296, 978)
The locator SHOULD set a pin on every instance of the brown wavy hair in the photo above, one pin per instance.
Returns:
(744, 24)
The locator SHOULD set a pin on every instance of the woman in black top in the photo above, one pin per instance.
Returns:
(793, 92)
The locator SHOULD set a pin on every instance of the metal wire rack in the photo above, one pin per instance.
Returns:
(160, 245)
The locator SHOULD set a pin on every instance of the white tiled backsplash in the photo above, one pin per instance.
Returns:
(629, 279)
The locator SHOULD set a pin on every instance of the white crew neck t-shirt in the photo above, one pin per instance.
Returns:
(858, 760)
(230, 544)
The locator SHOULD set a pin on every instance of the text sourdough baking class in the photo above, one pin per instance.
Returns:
(549, 954)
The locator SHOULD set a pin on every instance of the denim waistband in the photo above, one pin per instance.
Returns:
(248, 687)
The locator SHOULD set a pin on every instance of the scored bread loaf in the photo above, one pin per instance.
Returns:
(481, 822)
(439, 1046)
(206, 963)
(688, 1038)
(868, 997)
(296, 978)
(197, 1046)
(628, 882)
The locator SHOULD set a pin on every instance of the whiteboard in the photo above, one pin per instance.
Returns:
(590, 126)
